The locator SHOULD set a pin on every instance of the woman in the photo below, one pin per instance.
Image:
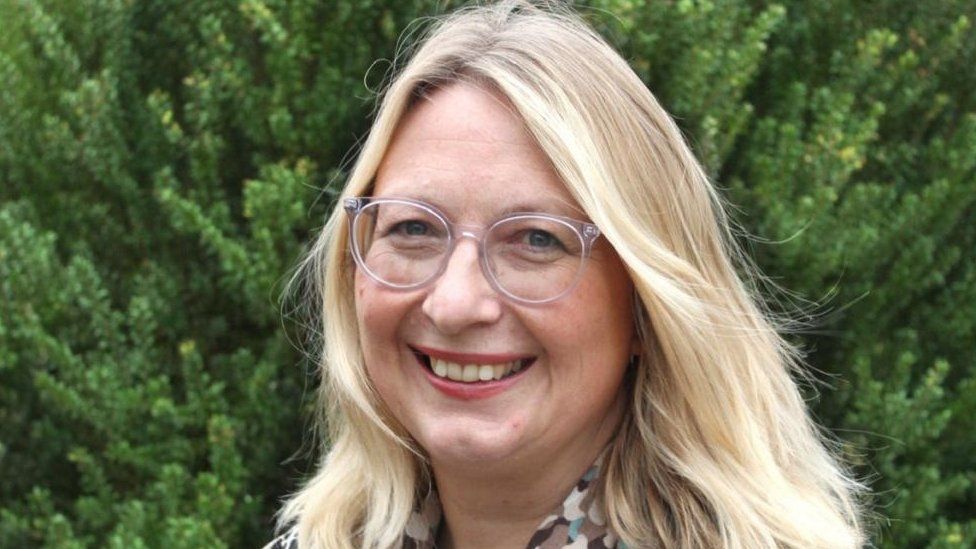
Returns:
(533, 330)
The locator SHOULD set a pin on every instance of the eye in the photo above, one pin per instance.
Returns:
(411, 227)
(540, 239)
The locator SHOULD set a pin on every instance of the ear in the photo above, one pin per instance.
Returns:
(636, 349)
(636, 345)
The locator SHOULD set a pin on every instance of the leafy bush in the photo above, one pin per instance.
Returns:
(163, 163)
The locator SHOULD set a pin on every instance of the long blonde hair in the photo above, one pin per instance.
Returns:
(716, 448)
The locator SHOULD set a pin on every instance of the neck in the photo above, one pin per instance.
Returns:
(503, 505)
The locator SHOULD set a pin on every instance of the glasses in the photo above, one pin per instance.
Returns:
(528, 257)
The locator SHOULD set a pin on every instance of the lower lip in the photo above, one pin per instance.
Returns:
(471, 391)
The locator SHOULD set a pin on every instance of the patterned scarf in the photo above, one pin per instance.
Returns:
(577, 523)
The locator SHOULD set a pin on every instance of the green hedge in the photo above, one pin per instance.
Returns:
(163, 164)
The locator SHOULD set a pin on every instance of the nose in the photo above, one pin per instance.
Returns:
(462, 297)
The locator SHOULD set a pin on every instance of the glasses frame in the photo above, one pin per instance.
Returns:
(587, 233)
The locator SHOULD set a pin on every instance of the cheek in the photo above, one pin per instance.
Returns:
(604, 311)
(378, 340)
(373, 308)
(376, 324)
(382, 316)
(595, 329)
(364, 313)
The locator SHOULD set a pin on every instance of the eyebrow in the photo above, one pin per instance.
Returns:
(558, 207)
(548, 204)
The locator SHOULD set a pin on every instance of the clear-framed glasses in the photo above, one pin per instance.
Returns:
(528, 257)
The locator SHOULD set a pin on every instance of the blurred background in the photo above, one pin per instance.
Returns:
(164, 163)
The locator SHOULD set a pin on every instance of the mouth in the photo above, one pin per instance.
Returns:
(471, 372)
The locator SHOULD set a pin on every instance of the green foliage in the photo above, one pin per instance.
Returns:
(161, 166)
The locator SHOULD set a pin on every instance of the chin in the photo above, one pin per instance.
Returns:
(473, 442)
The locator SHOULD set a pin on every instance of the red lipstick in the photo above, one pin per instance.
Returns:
(475, 390)
(470, 358)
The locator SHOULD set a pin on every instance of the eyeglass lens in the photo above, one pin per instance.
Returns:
(530, 257)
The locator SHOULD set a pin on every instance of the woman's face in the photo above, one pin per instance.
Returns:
(463, 151)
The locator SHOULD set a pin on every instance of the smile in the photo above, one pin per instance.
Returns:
(473, 369)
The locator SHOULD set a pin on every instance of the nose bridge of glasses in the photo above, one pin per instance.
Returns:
(473, 232)
(471, 260)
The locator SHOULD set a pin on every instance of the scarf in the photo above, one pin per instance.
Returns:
(578, 522)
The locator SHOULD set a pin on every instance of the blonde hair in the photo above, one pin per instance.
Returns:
(716, 448)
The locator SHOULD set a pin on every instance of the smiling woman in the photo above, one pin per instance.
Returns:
(534, 334)
(475, 429)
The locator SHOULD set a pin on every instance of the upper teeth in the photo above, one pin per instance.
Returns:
(473, 372)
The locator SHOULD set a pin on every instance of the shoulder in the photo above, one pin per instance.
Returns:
(288, 540)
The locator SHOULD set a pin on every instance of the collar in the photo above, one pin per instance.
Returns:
(578, 522)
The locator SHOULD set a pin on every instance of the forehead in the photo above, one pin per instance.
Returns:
(465, 150)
